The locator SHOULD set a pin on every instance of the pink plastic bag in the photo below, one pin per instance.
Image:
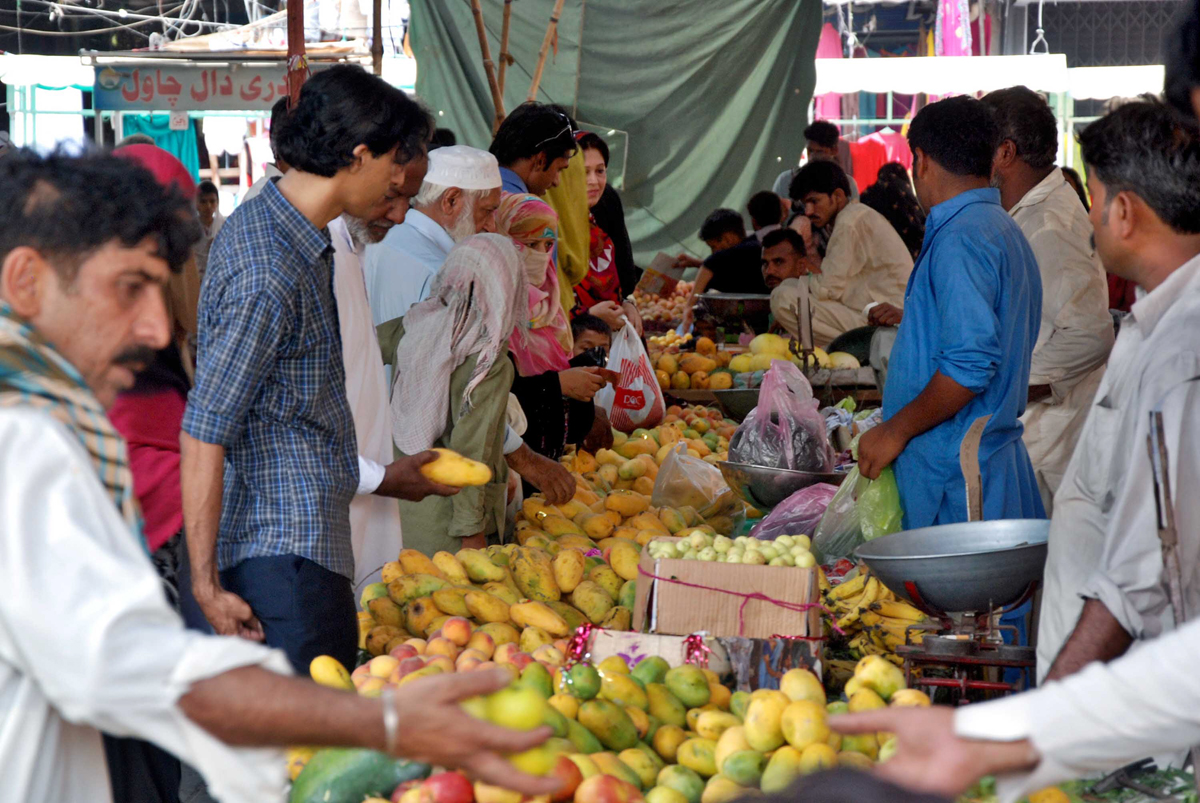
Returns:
(799, 514)
(784, 430)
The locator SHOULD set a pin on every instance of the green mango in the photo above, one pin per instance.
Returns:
(582, 738)
(609, 723)
(689, 685)
(745, 767)
(651, 670)
(665, 706)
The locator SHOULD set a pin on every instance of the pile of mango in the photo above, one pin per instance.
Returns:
(704, 430)
(706, 368)
(748, 368)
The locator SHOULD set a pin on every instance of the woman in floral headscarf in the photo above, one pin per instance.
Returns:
(556, 398)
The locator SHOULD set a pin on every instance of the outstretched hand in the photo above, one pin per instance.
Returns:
(437, 731)
(403, 479)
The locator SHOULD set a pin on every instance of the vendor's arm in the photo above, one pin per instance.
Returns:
(1127, 597)
(242, 335)
(703, 278)
(1142, 704)
(969, 354)
(474, 435)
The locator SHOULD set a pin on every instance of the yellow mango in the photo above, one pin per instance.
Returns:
(646, 536)
(631, 470)
(763, 724)
(365, 623)
(712, 724)
(606, 578)
(408, 587)
(420, 613)
(479, 567)
(801, 684)
(609, 475)
(817, 757)
(565, 704)
(803, 724)
(584, 462)
(625, 533)
(666, 742)
(782, 769)
(379, 636)
(451, 569)
(568, 567)
(386, 612)
(390, 571)
(572, 509)
(555, 526)
(636, 446)
(699, 756)
(486, 607)
(502, 591)
(501, 633)
(574, 541)
(539, 614)
(527, 534)
(592, 600)
(452, 600)
(640, 719)
(570, 614)
(693, 363)
(733, 740)
(534, 574)
(644, 486)
(451, 468)
(585, 496)
(416, 562)
(607, 457)
(720, 695)
(596, 525)
(720, 789)
(328, 671)
(535, 510)
(641, 764)
(621, 689)
(533, 637)
(648, 521)
(626, 503)
(618, 618)
(624, 557)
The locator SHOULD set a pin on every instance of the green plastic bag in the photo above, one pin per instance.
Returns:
(862, 510)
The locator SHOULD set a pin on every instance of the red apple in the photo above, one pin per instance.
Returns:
(566, 771)
(450, 787)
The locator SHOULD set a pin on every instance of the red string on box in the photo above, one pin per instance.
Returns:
(695, 651)
(798, 607)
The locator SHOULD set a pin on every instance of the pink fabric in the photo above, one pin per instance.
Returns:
(150, 423)
(828, 47)
(952, 36)
(896, 146)
(166, 168)
(981, 40)
(542, 350)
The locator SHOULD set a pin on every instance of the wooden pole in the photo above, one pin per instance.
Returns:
(297, 61)
(488, 67)
(505, 58)
(377, 37)
(551, 29)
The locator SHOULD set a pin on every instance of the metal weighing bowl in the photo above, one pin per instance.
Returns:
(764, 487)
(732, 310)
(737, 403)
(971, 567)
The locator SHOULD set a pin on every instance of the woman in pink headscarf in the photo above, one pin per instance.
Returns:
(556, 398)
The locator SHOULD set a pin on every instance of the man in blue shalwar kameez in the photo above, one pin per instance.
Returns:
(971, 316)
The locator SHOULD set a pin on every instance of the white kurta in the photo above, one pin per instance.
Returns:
(1076, 333)
(400, 269)
(88, 642)
(1143, 704)
(1103, 540)
(374, 520)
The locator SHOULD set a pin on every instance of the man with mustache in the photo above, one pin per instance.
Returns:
(88, 641)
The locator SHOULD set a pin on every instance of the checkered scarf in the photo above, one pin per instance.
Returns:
(33, 374)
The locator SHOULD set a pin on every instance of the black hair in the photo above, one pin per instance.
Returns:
(722, 221)
(589, 323)
(1024, 118)
(765, 209)
(67, 207)
(894, 174)
(343, 107)
(1076, 181)
(819, 176)
(592, 142)
(442, 138)
(1182, 59)
(206, 188)
(959, 134)
(1149, 149)
(279, 113)
(823, 133)
(534, 128)
(789, 236)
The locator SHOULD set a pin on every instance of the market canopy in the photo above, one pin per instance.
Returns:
(942, 75)
(713, 94)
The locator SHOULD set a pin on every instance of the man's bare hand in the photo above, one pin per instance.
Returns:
(611, 313)
(435, 730)
(687, 261)
(878, 448)
(885, 315)
(403, 480)
(601, 435)
(929, 756)
(633, 316)
(229, 614)
(580, 384)
(547, 475)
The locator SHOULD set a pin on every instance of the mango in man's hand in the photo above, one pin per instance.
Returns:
(451, 468)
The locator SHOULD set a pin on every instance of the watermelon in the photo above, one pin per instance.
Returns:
(347, 775)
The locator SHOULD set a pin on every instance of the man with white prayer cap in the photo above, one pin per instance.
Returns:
(458, 198)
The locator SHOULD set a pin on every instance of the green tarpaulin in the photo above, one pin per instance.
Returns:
(712, 95)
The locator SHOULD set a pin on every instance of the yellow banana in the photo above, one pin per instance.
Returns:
(849, 588)
(849, 619)
(869, 618)
(870, 593)
(897, 610)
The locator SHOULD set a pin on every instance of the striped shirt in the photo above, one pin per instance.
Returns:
(270, 388)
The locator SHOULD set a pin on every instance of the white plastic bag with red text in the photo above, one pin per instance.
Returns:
(636, 401)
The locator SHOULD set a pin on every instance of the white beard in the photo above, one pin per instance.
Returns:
(464, 226)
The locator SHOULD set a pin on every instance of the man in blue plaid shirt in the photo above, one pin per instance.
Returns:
(269, 457)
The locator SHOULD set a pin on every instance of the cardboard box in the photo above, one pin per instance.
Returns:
(634, 647)
(660, 276)
(723, 605)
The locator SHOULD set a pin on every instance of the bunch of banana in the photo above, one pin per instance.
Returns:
(874, 621)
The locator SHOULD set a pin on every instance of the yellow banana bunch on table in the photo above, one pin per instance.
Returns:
(874, 620)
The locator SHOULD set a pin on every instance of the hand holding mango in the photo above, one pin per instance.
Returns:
(451, 468)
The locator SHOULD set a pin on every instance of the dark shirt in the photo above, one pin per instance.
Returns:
(901, 210)
(738, 269)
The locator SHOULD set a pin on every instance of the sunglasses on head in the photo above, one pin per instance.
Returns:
(566, 130)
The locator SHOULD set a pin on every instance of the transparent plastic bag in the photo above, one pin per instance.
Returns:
(862, 510)
(686, 481)
(636, 400)
(784, 430)
(799, 514)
